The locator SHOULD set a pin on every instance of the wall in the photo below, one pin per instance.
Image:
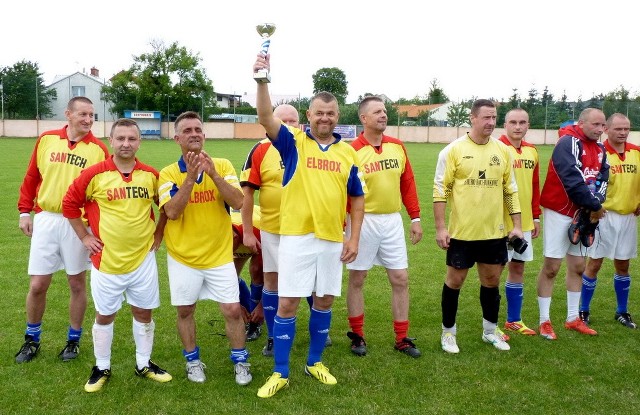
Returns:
(216, 130)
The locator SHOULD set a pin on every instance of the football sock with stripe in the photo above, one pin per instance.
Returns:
(73, 334)
(270, 308)
(588, 289)
(514, 291)
(284, 331)
(256, 296)
(319, 323)
(34, 330)
(239, 355)
(621, 285)
(192, 355)
(245, 294)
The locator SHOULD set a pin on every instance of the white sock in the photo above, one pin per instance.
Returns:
(573, 303)
(453, 330)
(488, 327)
(143, 336)
(544, 305)
(102, 340)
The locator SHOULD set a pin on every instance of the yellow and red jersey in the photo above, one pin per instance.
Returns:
(527, 173)
(55, 163)
(623, 193)
(120, 212)
(317, 180)
(201, 237)
(263, 171)
(236, 223)
(389, 177)
(478, 183)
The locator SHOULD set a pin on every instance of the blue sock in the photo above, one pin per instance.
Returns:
(239, 355)
(514, 291)
(310, 301)
(193, 355)
(270, 308)
(284, 330)
(34, 330)
(73, 334)
(256, 296)
(588, 288)
(245, 294)
(621, 285)
(319, 323)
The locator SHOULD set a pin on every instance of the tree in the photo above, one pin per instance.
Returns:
(331, 80)
(349, 114)
(436, 94)
(458, 114)
(169, 79)
(617, 100)
(25, 96)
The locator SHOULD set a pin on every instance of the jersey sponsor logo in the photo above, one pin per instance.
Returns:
(202, 196)
(481, 181)
(381, 165)
(127, 192)
(321, 164)
(524, 164)
(68, 158)
(624, 168)
(587, 172)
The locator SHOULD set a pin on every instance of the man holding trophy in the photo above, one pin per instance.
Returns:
(312, 246)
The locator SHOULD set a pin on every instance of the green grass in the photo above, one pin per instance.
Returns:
(575, 374)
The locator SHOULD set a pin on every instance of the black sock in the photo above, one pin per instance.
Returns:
(490, 303)
(449, 306)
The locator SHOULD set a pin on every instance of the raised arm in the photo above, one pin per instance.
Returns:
(263, 101)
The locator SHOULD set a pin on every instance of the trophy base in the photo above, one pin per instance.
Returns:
(262, 77)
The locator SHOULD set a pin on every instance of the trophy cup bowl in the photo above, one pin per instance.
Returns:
(265, 30)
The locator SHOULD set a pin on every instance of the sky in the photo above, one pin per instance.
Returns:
(481, 49)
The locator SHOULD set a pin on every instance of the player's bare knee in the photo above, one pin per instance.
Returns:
(231, 311)
(185, 311)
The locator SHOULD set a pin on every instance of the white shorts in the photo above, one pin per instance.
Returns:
(616, 237)
(527, 255)
(308, 264)
(555, 236)
(269, 242)
(140, 287)
(381, 242)
(188, 285)
(55, 246)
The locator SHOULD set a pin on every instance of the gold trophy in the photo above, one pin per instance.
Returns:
(265, 30)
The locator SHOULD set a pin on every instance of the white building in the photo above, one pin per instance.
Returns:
(80, 84)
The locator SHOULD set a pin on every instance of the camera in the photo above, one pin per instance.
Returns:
(518, 244)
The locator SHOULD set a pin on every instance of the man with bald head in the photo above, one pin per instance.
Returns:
(263, 171)
(617, 238)
(288, 114)
(576, 182)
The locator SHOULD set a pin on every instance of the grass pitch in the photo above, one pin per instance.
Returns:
(575, 374)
